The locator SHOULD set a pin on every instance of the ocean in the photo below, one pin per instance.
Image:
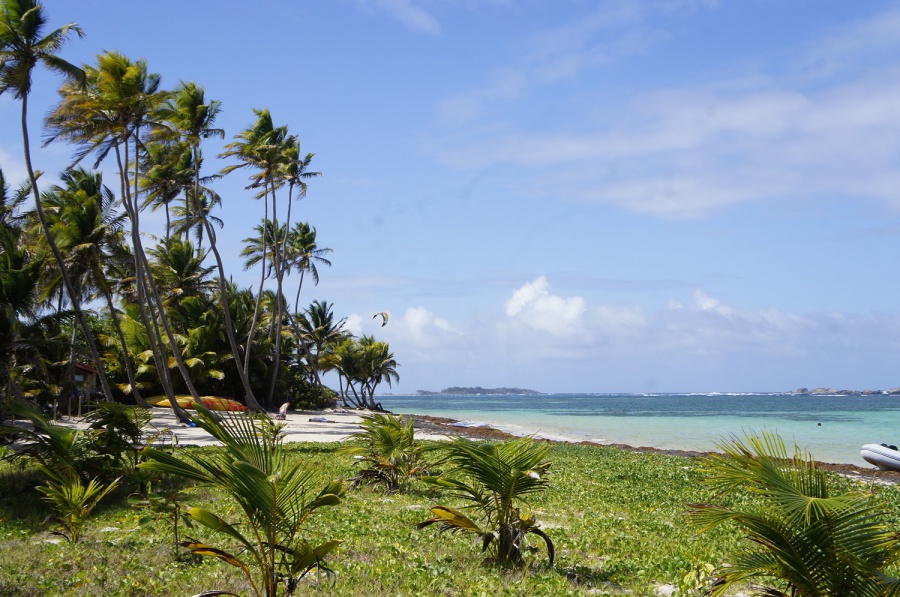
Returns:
(831, 428)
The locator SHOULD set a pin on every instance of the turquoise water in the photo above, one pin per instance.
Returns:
(679, 421)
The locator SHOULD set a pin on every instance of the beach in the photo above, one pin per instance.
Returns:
(321, 426)
(338, 424)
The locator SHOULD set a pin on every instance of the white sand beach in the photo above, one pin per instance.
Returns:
(328, 425)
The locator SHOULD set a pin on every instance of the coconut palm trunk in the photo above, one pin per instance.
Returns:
(223, 291)
(64, 271)
(262, 281)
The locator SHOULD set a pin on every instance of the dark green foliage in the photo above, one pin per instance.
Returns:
(303, 394)
(117, 430)
(494, 480)
(273, 492)
(391, 457)
(805, 539)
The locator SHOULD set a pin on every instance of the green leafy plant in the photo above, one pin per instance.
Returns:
(391, 456)
(72, 500)
(804, 540)
(164, 505)
(497, 478)
(53, 446)
(117, 430)
(273, 490)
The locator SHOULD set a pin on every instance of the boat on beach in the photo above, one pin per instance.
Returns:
(885, 457)
(210, 402)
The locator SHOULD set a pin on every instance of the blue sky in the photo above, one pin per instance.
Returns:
(574, 195)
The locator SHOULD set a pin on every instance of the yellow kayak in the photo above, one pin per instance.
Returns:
(210, 402)
(184, 401)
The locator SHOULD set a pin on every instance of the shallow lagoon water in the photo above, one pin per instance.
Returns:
(678, 421)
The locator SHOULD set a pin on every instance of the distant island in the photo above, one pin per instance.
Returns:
(477, 390)
(836, 392)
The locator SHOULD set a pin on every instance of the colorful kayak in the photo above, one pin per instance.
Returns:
(210, 402)
(218, 403)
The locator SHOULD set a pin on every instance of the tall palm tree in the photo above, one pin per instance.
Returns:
(191, 117)
(262, 146)
(24, 44)
(89, 231)
(109, 115)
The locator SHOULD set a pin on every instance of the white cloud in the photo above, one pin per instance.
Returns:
(614, 30)
(412, 16)
(354, 324)
(533, 305)
(560, 343)
(683, 152)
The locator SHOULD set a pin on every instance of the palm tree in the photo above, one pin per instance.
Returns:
(263, 146)
(19, 277)
(378, 365)
(303, 254)
(88, 230)
(24, 44)
(110, 114)
(804, 540)
(191, 117)
(198, 218)
(345, 358)
(167, 172)
(318, 331)
(269, 485)
(497, 479)
(179, 271)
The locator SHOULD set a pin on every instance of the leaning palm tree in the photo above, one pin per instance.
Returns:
(24, 44)
(804, 539)
(110, 114)
(88, 230)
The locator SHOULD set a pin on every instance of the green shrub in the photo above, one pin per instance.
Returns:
(391, 457)
(804, 540)
(272, 490)
(496, 480)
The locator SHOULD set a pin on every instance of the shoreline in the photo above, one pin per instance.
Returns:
(338, 424)
(444, 425)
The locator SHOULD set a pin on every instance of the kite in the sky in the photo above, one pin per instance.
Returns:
(384, 318)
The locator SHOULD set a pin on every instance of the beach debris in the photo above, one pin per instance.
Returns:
(320, 420)
(384, 317)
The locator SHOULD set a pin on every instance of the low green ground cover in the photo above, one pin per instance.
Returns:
(617, 519)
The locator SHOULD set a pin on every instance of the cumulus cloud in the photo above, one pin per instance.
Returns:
(698, 342)
(533, 305)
